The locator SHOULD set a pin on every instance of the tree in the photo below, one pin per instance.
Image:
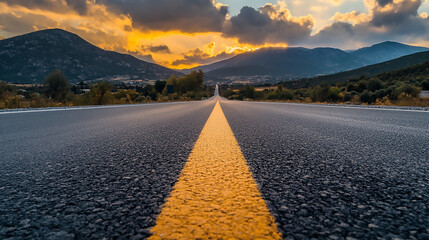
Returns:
(160, 85)
(425, 84)
(57, 86)
(99, 91)
(147, 89)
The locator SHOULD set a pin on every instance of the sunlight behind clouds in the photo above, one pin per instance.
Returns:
(176, 37)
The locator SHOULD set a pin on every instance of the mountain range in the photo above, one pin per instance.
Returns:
(397, 64)
(31, 57)
(279, 64)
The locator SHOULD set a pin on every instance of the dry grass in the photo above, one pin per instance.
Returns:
(261, 89)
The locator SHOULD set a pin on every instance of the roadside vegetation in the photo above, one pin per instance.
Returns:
(56, 91)
(400, 88)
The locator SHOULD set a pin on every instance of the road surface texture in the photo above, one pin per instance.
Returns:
(94, 173)
(129, 172)
(333, 172)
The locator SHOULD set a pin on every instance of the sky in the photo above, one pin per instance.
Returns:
(186, 33)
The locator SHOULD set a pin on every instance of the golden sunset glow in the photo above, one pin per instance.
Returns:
(182, 36)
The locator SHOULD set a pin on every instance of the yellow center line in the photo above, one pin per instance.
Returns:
(216, 196)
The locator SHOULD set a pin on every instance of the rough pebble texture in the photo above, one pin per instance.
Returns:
(215, 196)
(94, 173)
(338, 173)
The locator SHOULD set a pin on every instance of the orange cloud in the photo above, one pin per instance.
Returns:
(111, 30)
(353, 17)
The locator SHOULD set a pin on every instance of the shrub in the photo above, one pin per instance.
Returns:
(140, 99)
(374, 85)
(406, 89)
(247, 92)
(13, 102)
(333, 94)
(367, 97)
(272, 95)
(6, 89)
(425, 84)
(320, 93)
(285, 95)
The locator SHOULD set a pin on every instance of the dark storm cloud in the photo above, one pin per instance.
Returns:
(259, 27)
(384, 2)
(39, 4)
(156, 49)
(147, 58)
(24, 23)
(397, 21)
(184, 15)
(80, 6)
(399, 14)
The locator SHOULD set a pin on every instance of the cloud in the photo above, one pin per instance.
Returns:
(79, 6)
(98, 26)
(332, 2)
(353, 17)
(384, 2)
(199, 57)
(147, 58)
(156, 49)
(269, 24)
(202, 56)
(24, 22)
(187, 16)
(396, 20)
(142, 27)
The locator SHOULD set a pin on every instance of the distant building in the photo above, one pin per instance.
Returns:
(424, 94)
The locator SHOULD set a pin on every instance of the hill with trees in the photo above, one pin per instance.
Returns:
(285, 64)
(29, 58)
(368, 71)
(401, 87)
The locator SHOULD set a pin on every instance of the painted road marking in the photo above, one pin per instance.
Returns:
(216, 196)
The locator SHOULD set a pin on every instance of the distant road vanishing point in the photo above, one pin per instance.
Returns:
(215, 169)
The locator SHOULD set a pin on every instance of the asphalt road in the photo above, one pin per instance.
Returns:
(333, 172)
(324, 172)
(93, 173)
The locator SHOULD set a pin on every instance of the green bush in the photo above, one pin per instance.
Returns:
(367, 97)
(247, 92)
(285, 95)
(406, 89)
(333, 94)
(374, 85)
